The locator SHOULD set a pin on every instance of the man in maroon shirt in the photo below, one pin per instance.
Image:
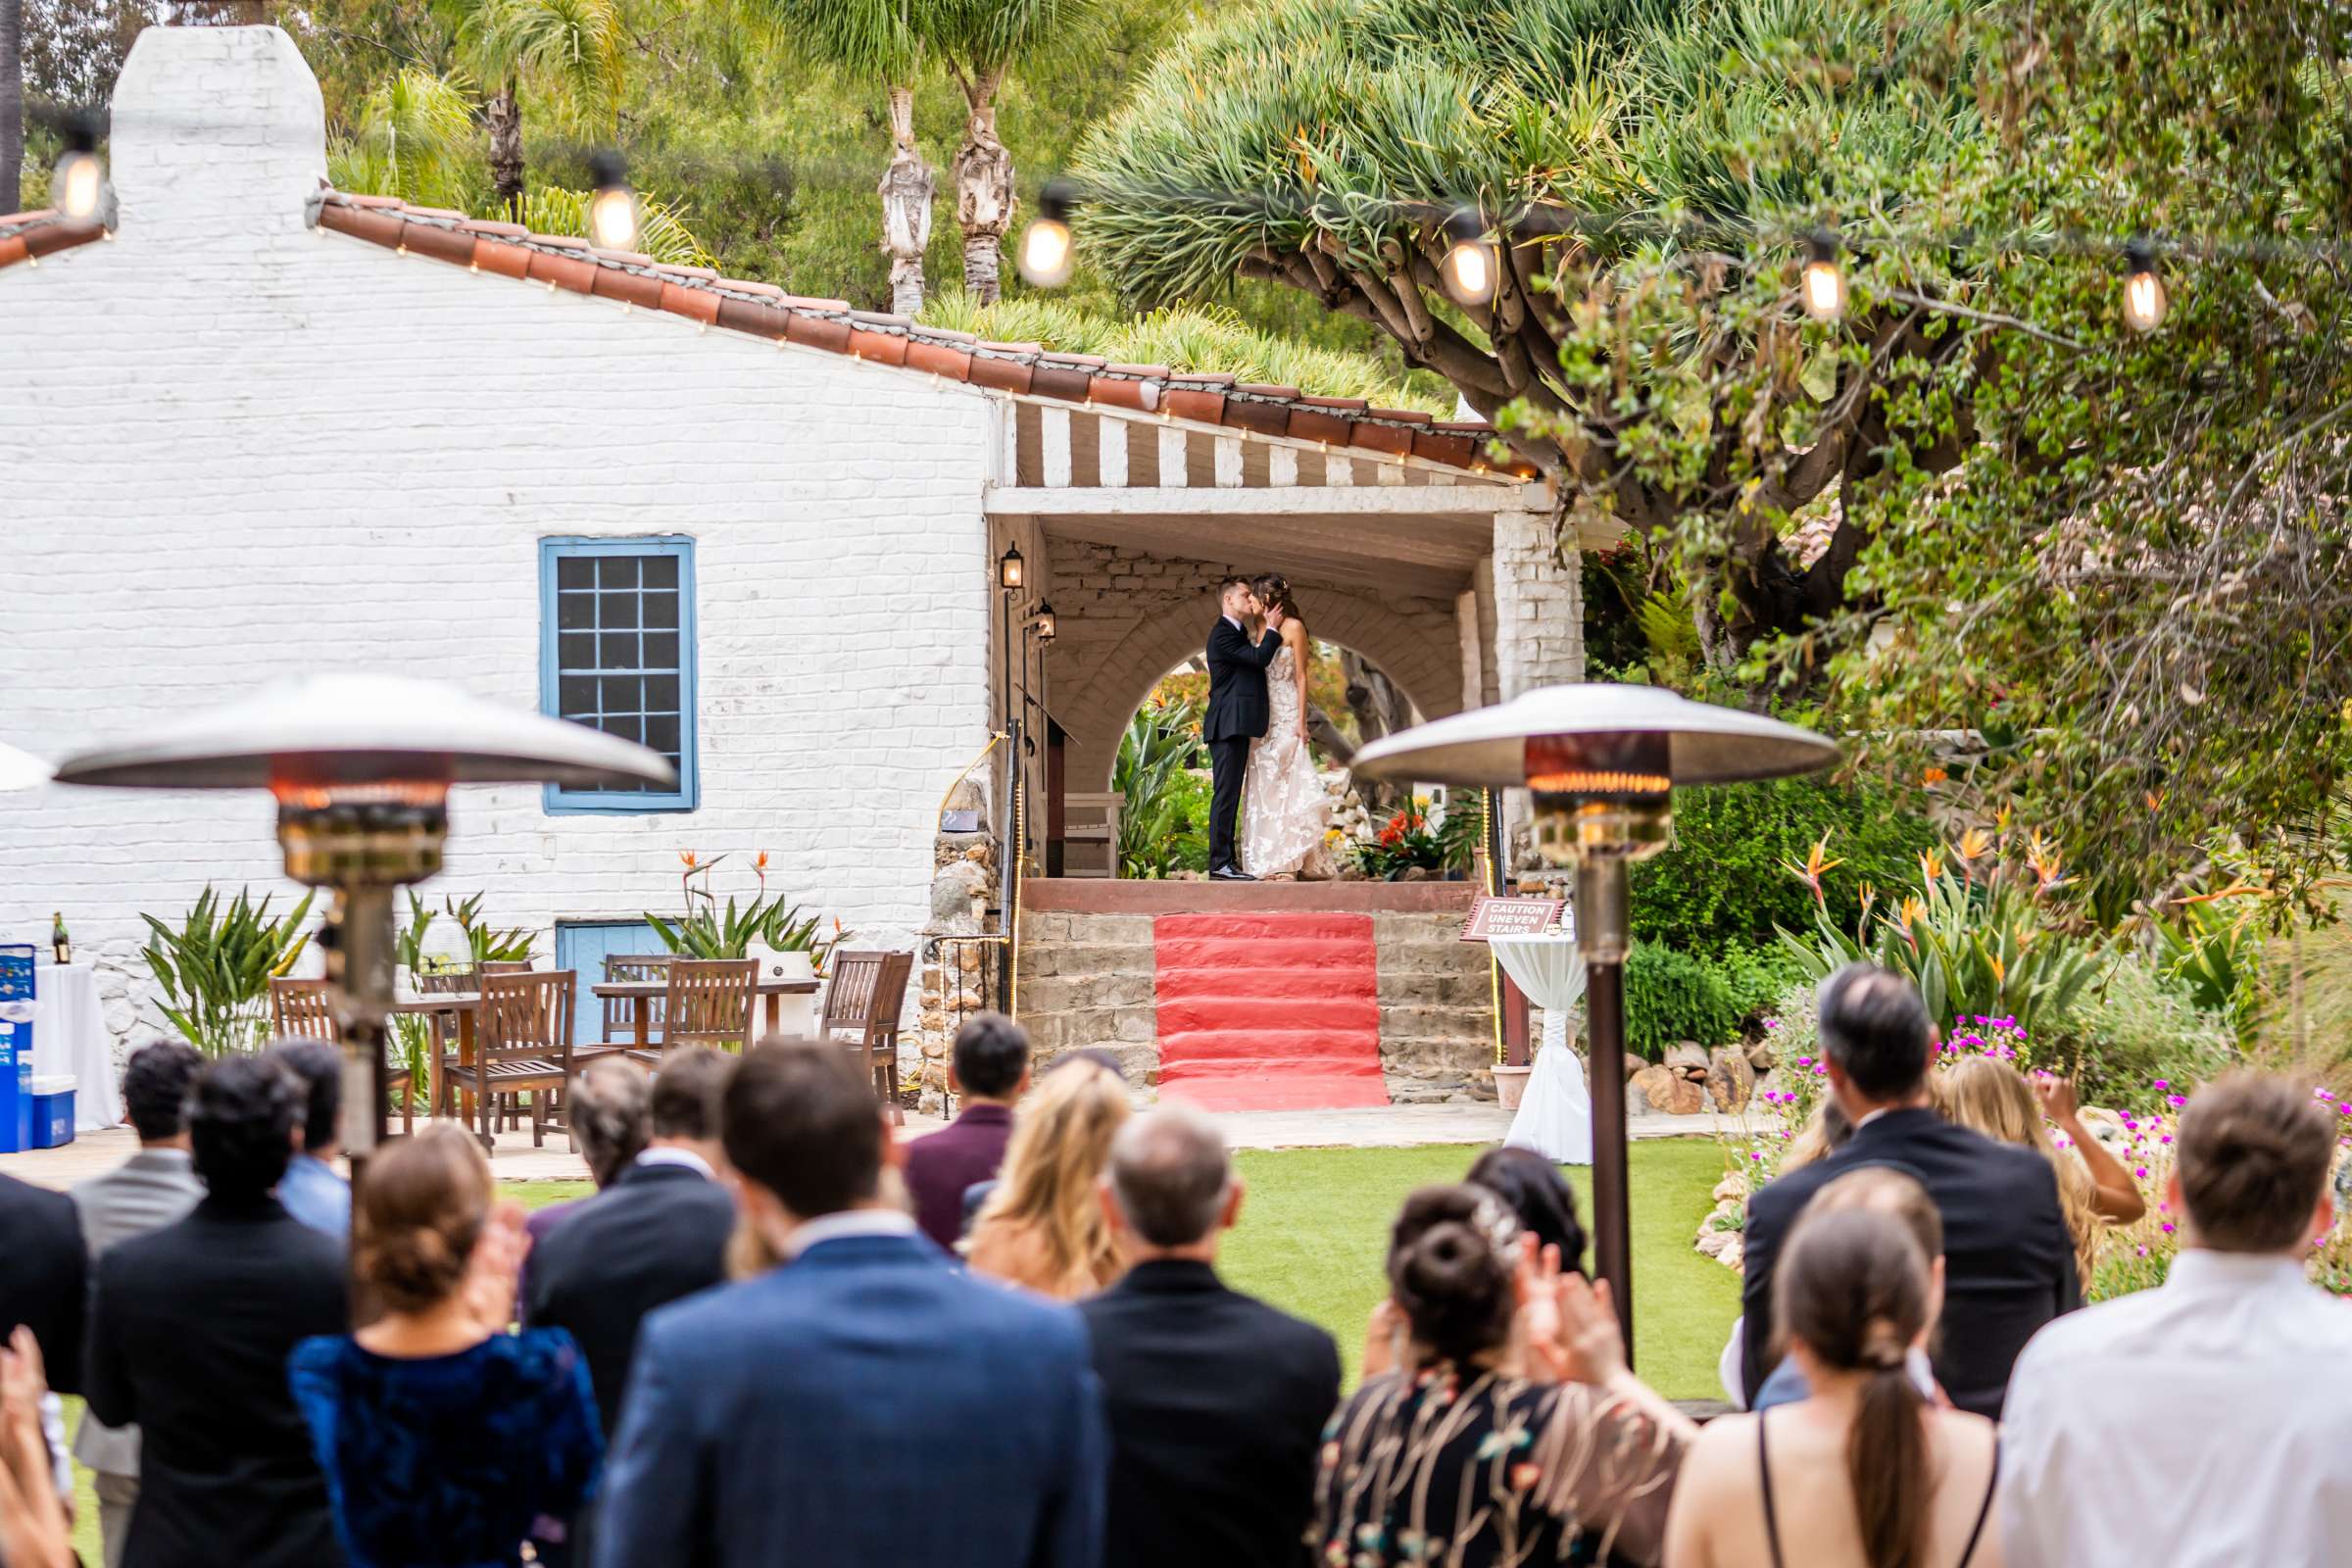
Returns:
(991, 1070)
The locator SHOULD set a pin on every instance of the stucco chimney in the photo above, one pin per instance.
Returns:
(218, 134)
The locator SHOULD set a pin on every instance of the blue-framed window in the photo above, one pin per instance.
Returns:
(616, 654)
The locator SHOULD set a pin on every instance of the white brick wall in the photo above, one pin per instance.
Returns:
(234, 446)
(1539, 606)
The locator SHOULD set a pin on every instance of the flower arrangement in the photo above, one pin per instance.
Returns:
(1415, 836)
(706, 931)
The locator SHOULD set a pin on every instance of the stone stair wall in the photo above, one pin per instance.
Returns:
(1087, 980)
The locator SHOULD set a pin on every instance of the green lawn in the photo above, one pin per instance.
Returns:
(1314, 1231)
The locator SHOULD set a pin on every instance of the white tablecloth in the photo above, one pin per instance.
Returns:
(1555, 1116)
(69, 1035)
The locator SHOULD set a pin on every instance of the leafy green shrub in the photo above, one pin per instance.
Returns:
(1728, 879)
(1757, 979)
(1163, 821)
(2138, 1027)
(1672, 997)
(215, 970)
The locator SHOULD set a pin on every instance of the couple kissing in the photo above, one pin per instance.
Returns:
(1255, 730)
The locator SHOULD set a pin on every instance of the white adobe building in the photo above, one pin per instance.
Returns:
(263, 426)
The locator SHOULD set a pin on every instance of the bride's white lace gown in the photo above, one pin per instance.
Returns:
(1285, 812)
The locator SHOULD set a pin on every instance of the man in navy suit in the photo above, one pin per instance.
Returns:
(865, 1401)
(2009, 1259)
(1235, 715)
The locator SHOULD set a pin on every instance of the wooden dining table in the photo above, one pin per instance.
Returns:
(773, 991)
(441, 1007)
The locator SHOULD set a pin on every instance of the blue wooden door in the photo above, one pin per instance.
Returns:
(584, 946)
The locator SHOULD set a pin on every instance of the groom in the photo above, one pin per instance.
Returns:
(1237, 713)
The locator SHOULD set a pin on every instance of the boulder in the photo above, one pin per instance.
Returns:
(1632, 1065)
(1735, 1257)
(1677, 1095)
(1654, 1083)
(1731, 1188)
(1729, 1079)
(1759, 1056)
(1713, 1242)
(1686, 1059)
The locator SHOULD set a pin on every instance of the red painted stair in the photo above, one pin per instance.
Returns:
(1268, 1012)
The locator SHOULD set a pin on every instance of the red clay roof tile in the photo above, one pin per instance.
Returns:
(763, 310)
(12, 250)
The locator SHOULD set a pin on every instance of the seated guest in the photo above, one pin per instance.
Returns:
(1886, 1189)
(35, 1531)
(150, 1190)
(445, 1440)
(1863, 1472)
(312, 1191)
(864, 1402)
(1452, 1457)
(2190, 1425)
(190, 1326)
(1538, 1197)
(1989, 1095)
(659, 1232)
(1215, 1400)
(606, 1110)
(990, 1067)
(2010, 1258)
(1042, 1226)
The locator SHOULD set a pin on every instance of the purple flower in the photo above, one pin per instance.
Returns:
(2176, 1100)
(2141, 1172)
(2161, 1084)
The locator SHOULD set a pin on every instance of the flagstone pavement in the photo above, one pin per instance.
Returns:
(1380, 1127)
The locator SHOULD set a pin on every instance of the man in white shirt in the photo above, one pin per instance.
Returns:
(2193, 1425)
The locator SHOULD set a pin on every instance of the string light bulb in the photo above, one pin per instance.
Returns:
(77, 186)
(1470, 265)
(1048, 250)
(1823, 283)
(2143, 291)
(613, 216)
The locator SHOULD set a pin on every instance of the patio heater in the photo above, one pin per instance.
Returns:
(1602, 761)
(361, 766)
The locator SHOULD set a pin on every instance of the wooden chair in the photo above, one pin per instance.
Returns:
(521, 1044)
(620, 1017)
(506, 967)
(298, 1009)
(1101, 830)
(863, 1002)
(709, 1003)
(446, 982)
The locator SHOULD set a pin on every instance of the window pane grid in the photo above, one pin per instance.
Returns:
(620, 643)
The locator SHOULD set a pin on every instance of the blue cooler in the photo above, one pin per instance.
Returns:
(16, 1046)
(52, 1111)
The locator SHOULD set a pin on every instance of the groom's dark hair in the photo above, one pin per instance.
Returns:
(1230, 584)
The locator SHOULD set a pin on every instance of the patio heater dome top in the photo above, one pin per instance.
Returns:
(21, 770)
(358, 730)
(1704, 743)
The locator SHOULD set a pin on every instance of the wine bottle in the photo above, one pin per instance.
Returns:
(59, 942)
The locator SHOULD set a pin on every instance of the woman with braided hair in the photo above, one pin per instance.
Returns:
(1866, 1471)
(1510, 1429)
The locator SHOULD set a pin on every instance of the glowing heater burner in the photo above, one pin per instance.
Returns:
(1604, 796)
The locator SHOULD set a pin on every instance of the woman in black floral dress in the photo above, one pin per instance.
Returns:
(1511, 1431)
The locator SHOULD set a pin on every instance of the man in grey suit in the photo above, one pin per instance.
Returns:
(154, 1188)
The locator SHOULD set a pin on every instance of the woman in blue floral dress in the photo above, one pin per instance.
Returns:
(1511, 1432)
(445, 1440)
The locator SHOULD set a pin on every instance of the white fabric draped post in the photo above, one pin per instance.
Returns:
(1555, 1115)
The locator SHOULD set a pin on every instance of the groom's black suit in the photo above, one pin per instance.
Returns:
(1236, 715)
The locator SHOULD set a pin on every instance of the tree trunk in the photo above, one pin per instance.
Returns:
(984, 198)
(504, 110)
(1379, 710)
(907, 189)
(12, 105)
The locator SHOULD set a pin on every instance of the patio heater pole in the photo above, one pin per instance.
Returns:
(1602, 761)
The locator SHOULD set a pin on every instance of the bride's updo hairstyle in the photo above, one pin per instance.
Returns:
(417, 1216)
(1451, 1270)
(1274, 592)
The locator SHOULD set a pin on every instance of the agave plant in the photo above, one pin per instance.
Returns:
(1979, 943)
(1154, 816)
(707, 931)
(488, 943)
(216, 968)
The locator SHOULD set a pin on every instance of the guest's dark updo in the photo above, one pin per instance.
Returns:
(1451, 1270)
(417, 1216)
(1538, 1197)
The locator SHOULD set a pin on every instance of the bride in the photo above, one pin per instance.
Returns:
(1285, 812)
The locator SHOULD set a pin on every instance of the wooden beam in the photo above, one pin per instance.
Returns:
(1395, 500)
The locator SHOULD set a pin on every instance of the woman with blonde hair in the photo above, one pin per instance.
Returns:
(1987, 1095)
(1042, 1227)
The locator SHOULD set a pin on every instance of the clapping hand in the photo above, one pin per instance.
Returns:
(2059, 1101)
(1538, 1325)
(497, 1268)
(24, 1379)
(1590, 1339)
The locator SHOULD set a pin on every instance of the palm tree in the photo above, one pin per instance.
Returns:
(979, 41)
(577, 48)
(882, 42)
(12, 104)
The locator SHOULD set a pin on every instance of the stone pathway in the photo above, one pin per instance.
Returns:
(1382, 1127)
